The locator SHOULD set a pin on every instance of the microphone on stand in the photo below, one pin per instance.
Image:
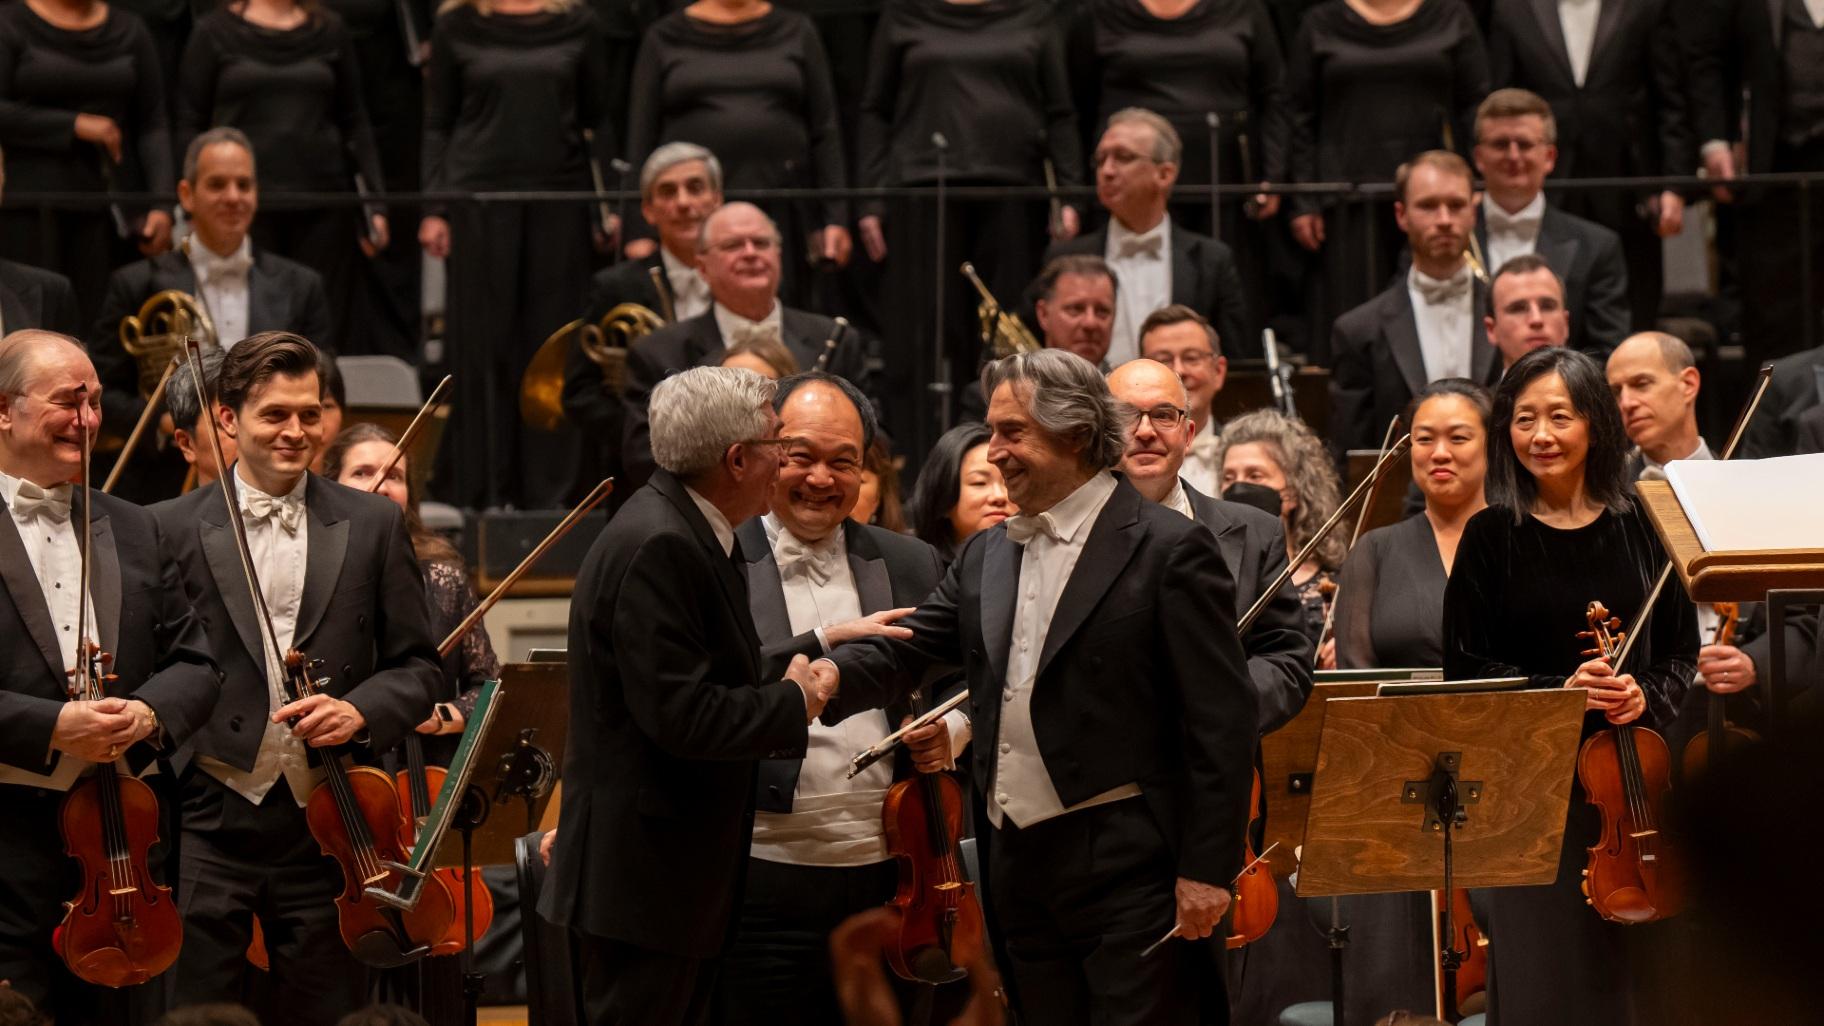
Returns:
(621, 170)
(1214, 122)
(942, 385)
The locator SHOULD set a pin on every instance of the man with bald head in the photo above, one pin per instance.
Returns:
(1253, 543)
(816, 580)
(1655, 381)
(161, 687)
(738, 255)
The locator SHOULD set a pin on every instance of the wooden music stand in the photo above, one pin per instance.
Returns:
(1393, 770)
(1288, 758)
(518, 763)
(1781, 577)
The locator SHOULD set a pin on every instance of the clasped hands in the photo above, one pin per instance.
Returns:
(98, 731)
(818, 681)
(1616, 695)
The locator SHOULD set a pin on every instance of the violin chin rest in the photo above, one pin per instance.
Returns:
(109, 967)
(1630, 905)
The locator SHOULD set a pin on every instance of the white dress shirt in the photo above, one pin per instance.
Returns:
(1179, 502)
(1815, 8)
(689, 292)
(1143, 265)
(279, 541)
(737, 329)
(1578, 19)
(1445, 314)
(1652, 471)
(835, 821)
(1200, 466)
(47, 529)
(221, 284)
(1022, 787)
(718, 524)
(1511, 235)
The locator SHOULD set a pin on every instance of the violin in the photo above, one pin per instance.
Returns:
(122, 928)
(354, 813)
(1635, 873)
(1719, 733)
(1467, 937)
(1256, 902)
(416, 784)
(940, 921)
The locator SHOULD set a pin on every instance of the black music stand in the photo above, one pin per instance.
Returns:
(1393, 770)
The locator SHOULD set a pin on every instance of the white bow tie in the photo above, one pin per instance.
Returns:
(1501, 220)
(287, 511)
(1022, 528)
(815, 560)
(35, 501)
(1435, 291)
(217, 270)
(1205, 447)
(748, 334)
(1141, 245)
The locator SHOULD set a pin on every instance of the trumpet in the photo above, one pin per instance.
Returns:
(1002, 332)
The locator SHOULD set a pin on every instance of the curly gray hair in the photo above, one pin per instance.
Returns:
(1067, 397)
(697, 414)
(1309, 474)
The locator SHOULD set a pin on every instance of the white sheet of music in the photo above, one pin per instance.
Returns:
(1747, 505)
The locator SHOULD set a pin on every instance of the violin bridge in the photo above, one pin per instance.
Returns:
(1639, 834)
(115, 892)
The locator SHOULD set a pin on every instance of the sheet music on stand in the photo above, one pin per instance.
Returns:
(1727, 502)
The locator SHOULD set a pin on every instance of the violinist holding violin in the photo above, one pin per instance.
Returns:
(1564, 530)
(337, 576)
(162, 688)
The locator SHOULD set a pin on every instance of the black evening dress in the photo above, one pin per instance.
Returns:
(1513, 607)
(507, 102)
(1390, 606)
(1363, 98)
(49, 75)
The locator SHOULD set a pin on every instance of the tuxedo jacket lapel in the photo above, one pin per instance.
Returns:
(224, 561)
(1111, 543)
(104, 583)
(1608, 19)
(13, 311)
(1000, 587)
(327, 547)
(28, 595)
(765, 588)
(1482, 353)
(1403, 341)
(1186, 286)
(1546, 12)
(265, 301)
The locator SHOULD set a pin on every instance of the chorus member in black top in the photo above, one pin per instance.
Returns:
(1267, 448)
(337, 572)
(392, 91)
(161, 685)
(738, 256)
(1769, 54)
(672, 710)
(1156, 257)
(285, 73)
(82, 110)
(513, 86)
(1095, 840)
(1370, 83)
(680, 185)
(1563, 530)
(1614, 74)
(1186, 60)
(989, 79)
(1516, 148)
(958, 491)
(750, 78)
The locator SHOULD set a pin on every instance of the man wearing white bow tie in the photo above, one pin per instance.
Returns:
(817, 580)
(1428, 324)
(739, 256)
(1157, 261)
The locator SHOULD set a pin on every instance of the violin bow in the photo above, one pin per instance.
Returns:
(1361, 519)
(592, 500)
(145, 418)
(82, 684)
(1260, 604)
(405, 441)
(1665, 572)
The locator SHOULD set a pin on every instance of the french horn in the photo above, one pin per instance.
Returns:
(157, 332)
(605, 343)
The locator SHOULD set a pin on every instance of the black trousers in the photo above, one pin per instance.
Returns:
(778, 969)
(328, 240)
(516, 274)
(36, 878)
(1075, 901)
(238, 860)
(1779, 303)
(624, 985)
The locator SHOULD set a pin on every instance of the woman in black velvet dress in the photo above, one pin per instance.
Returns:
(1564, 530)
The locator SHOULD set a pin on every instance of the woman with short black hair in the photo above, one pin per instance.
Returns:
(958, 492)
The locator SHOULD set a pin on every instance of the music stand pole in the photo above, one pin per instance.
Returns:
(469, 816)
(1214, 122)
(1338, 937)
(942, 385)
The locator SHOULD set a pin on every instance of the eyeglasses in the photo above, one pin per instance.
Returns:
(1164, 418)
(1188, 360)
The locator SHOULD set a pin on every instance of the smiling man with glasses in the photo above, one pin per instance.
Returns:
(1185, 341)
(738, 255)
